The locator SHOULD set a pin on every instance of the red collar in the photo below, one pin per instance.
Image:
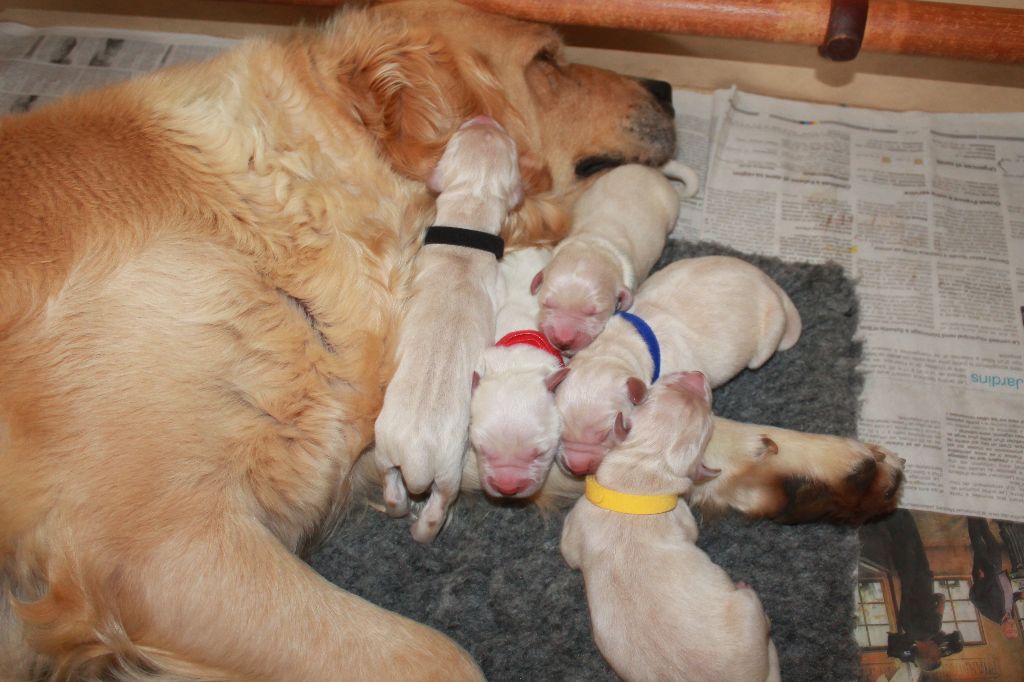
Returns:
(531, 337)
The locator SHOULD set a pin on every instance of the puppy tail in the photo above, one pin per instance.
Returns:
(793, 323)
(684, 174)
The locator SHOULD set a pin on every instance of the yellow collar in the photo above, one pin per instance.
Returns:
(627, 503)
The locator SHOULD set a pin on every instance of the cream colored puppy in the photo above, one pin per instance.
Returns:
(619, 229)
(659, 608)
(714, 314)
(421, 432)
(514, 424)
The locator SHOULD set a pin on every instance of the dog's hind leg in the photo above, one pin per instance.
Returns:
(222, 599)
(237, 600)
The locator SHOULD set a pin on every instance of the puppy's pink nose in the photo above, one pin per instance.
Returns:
(560, 338)
(508, 485)
(581, 462)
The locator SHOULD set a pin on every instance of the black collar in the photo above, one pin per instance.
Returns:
(460, 236)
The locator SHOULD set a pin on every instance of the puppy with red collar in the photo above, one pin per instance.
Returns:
(660, 609)
(514, 424)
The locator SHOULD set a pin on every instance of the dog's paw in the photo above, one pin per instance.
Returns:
(862, 481)
(794, 477)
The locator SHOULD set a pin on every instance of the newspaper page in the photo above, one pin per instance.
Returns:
(41, 65)
(926, 213)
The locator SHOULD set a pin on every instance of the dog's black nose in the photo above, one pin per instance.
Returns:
(662, 92)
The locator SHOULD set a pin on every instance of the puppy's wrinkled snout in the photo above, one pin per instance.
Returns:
(565, 339)
(582, 459)
(509, 486)
(662, 92)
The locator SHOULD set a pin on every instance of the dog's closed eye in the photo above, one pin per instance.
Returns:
(546, 56)
(592, 165)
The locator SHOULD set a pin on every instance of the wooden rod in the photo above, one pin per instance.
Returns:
(939, 29)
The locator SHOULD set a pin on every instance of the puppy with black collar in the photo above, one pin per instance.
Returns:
(422, 430)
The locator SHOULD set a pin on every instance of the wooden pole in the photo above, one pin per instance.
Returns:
(938, 29)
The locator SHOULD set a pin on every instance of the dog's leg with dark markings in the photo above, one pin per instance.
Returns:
(791, 476)
(779, 474)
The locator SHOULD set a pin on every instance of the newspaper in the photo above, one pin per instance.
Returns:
(40, 65)
(926, 213)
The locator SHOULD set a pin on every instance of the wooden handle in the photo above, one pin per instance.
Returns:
(938, 29)
(898, 26)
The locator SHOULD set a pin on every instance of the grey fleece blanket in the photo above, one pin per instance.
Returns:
(495, 582)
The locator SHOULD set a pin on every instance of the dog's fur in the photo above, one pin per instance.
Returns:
(619, 229)
(659, 608)
(203, 271)
(420, 436)
(514, 427)
(716, 314)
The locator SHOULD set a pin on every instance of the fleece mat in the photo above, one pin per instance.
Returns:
(494, 579)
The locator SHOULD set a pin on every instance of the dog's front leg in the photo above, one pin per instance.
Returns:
(792, 477)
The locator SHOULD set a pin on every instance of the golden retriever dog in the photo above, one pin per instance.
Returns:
(201, 276)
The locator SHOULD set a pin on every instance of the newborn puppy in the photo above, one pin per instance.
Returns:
(659, 608)
(620, 225)
(715, 314)
(421, 431)
(514, 425)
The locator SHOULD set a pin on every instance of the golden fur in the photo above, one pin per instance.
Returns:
(202, 271)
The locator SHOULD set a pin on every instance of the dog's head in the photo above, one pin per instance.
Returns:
(415, 71)
(670, 429)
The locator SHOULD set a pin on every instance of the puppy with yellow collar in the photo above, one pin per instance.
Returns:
(660, 609)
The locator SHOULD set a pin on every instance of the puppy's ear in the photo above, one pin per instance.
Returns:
(434, 180)
(538, 279)
(694, 382)
(622, 427)
(624, 299)
(637, 390)
(556, 378)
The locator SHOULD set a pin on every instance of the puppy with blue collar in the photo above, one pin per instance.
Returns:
(715, 314)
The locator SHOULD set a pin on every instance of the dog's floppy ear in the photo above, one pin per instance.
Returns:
(404, 85)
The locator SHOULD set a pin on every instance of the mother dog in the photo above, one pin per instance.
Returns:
(200, 276)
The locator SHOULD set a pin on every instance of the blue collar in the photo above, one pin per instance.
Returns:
(649, 338)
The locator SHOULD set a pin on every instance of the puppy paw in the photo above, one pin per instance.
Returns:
(396, 498)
